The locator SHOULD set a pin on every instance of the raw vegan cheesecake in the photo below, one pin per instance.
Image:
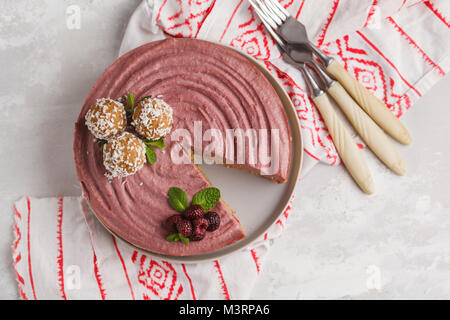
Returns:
(173, 86)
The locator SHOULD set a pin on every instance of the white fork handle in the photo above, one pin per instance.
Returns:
(376, 109)
(368, 130)
(349, 152)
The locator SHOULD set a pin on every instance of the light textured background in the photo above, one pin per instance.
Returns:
(339, 243)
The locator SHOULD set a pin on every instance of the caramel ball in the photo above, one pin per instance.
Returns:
(106, 118)
(152, 118)
(123, 155)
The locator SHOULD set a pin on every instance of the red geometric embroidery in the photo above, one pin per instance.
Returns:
(399, 103)
(253, 40)
(17, 256)
(370, 74)
(389, 62)
(159, 279)
(187, 19)
(134, 256)
(366, 77)
(18, 215)
(18, 235)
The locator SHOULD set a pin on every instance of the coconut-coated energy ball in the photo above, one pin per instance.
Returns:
(152, 118)
(106, 118)
(123, 155)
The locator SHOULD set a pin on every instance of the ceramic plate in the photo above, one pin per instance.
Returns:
(260, 207)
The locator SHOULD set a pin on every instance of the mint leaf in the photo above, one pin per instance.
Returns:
(155, 143)
(178, 199)
(151, 155)
(183, 239)
(207, 198)
(130, 101)
(174, 237)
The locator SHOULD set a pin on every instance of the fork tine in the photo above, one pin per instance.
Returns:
(269, 13)
(274, 9)
(267, 23)
(262, 16)
(280, 7)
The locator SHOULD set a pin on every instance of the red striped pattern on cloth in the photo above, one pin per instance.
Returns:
(60, 257)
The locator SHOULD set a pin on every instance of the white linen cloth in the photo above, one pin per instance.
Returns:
(397, 48)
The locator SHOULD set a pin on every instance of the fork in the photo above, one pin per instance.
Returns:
(373, 136)
(345, 145)
(289, 29)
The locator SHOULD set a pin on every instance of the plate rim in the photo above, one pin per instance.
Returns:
(246, 242)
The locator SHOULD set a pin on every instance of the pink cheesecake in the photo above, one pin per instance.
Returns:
(204, 83)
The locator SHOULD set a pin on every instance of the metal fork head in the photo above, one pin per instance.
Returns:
(268, 22)
(276, 8)
(300, 56)
(279, 7)
(287, 27)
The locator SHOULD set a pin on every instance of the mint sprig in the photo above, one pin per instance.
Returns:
(129, 105)
(151, 155)
(178, 199)
(149, 152)
(207, 198)
(130, 101)
(183, 239)
(175, 237)
(155, 143)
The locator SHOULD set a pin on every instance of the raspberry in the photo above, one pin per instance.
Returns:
(171, 222)
(200, 224)
(197, 237)
(213, 221)
(184, 227)
(199, 227)
(195, 211)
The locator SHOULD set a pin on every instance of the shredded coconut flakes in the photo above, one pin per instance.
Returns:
(102, 121)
